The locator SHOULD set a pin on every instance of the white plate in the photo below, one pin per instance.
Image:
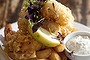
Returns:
(14, 27)
(78, 26)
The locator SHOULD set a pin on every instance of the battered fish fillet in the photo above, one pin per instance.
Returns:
(20, 46)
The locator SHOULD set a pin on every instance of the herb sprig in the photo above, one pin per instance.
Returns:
(34, 13)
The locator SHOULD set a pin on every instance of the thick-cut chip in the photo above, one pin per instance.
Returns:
(43, 54)
(59, 48)
(55, 56)
(63, 56)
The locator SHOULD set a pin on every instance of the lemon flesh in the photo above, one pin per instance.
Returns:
(43, 36)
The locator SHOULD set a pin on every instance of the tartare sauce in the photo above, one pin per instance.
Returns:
(79, 45)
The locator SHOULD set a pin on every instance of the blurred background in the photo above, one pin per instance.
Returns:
(9, 10)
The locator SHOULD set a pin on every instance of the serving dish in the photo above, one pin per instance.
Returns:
(78, 26)
(83, 53)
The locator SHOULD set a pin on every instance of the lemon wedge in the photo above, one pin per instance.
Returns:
(43, 36)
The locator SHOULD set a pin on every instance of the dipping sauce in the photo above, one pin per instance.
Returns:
(79, 45)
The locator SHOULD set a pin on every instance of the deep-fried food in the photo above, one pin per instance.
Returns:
(58, 17)
(58, 13)
(55, 56)
(8, 28)
(22, 22)
(44, 53)
(59, 48)
(63, 56)
(21, 45)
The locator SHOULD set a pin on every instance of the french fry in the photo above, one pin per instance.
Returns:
(63, 56)
(59, 48)
(54, 56)
(33, 55)
(43, 54)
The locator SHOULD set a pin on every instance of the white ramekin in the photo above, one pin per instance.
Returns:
(68, 53)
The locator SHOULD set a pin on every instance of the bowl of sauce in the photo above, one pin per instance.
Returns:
(77, 45)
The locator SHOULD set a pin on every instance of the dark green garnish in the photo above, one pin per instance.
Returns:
(34, 13)
(26, 4)
(37, 25)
